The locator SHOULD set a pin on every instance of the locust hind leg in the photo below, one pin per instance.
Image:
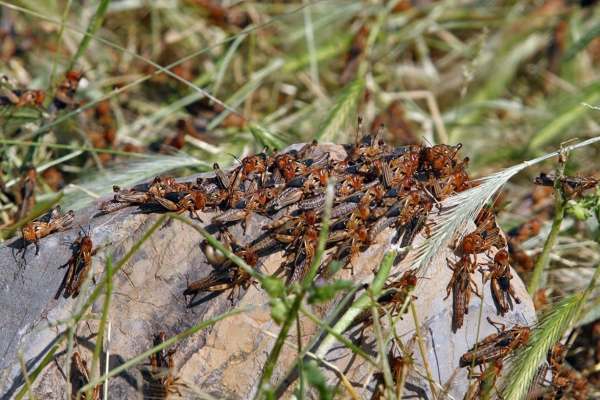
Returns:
(194, 213)
(474, 288)
(511, 290)
(497, 324)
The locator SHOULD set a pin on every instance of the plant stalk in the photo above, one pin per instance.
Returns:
(560, 203)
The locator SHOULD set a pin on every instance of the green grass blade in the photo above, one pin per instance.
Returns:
(497, 83)
(537, 276)
(551, 328)
(225, 61)
(103, 322)
(359, 305)
(59, 43)
(582, 42)
(267, 138)
(265, 385)
(342, 114)
(71, 147)
(574, 111)
(94, 25)
(310, 44)
(38, 370)
(26, 377)
(340, 337)
(323, 235)
(384, 365)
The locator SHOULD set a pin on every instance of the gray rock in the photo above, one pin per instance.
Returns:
(226, 359)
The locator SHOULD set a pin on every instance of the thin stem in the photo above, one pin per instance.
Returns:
(59, 44)
(103, 320)
(214, 242)
(359, 305)
(383, 361)
(45, 361)
(593, 282)
(542, 261)
(310, 44)
(274, 355)
(295, 307)
(325, 325)
(341, 338)
(68, 358)
(27, 379)
(107, 358)
(90, 33)
(300, 359)
(73, 147)
(422, 350)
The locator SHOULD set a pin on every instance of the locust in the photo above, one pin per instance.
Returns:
(304, 257)
(163, 382)
(484, 382)
(23, 98)
(81, 377)
(180, 202)
(131, 196)
(219, 281)
(400, 362)
(500, 276)
(396, 295)
(78, 267)
(313, 203)
(440, 159)
(225, 276)
(65, 93)
(572, 186)
(243, 211)
(461, 286)
(486, 235)
(161, 185)
(497, 345)
(287, 197)
(53, 221)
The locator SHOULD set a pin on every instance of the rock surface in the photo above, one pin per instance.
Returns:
(226, 359)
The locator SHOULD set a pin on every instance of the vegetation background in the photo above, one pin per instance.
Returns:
(175, 85)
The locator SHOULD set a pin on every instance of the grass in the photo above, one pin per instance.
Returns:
(510, 80)
(553, 325)
(560, 204)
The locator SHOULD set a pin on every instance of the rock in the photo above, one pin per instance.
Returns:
(226, 359)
